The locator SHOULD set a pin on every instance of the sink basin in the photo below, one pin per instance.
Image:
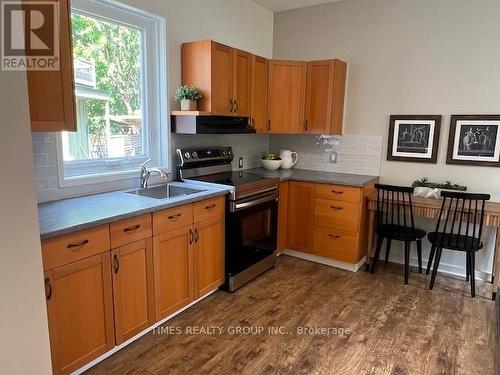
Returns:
(164, 191)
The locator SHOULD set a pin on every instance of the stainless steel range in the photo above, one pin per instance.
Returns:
(251, 215)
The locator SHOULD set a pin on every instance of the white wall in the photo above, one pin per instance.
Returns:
(406, 57)
(24, 341)
(239, 23)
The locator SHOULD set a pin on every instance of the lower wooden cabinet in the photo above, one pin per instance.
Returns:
(300, 216)
(282, 215)
(335, 244)
(173, 264)
(80, 312)
(208, 255)
(133, 288)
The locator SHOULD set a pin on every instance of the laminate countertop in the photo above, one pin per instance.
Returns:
(307, 175)
(73, 214)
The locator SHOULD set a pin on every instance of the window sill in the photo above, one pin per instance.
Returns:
(97, 178)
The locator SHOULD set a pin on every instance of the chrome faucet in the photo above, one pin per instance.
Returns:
(146, 173)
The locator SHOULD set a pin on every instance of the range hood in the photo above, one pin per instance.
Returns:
(192, 124)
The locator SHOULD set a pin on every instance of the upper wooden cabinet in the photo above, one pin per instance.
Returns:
(286, 96)
(325, 97)
(222, 73)
(52, 93)
(260, 68)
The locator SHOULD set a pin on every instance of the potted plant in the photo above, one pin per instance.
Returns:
(188, 96)
(429, 189)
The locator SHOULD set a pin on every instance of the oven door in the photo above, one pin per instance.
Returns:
(251, 232)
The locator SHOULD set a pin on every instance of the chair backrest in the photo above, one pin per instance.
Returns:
(462, 214)
(394, 207)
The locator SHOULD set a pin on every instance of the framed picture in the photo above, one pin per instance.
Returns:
(414, 138)
(474, 140)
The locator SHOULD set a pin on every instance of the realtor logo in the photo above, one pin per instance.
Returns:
(30, 35)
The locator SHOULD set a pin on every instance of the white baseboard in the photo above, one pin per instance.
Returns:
(327, 261)
(139, 335)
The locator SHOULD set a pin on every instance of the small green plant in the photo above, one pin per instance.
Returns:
(424, 182)
(188, 92)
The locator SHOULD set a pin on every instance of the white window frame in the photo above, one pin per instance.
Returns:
(155, 104)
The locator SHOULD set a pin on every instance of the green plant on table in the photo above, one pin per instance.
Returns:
(424, 182)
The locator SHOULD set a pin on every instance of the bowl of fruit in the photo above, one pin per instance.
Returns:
(271, 162)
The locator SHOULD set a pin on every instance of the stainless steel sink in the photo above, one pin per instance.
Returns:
(164, 191)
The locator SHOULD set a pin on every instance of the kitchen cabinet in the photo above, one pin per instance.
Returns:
(52, 93)
(300, 216)
(282, 215)
(260, 70)
(325, 97)
(173, 275)
(286, 96)
(133, 288)
(208, 255)
(80, 312)
(222, 73)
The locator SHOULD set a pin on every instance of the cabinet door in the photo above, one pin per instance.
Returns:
(51, 93)
(80, 312)
(300, 216)
(209, 255)
(222, 80)
(286, 97)
(282, 215)
(133, 288)
(260, 70)
(173, 271)
(325, 97)
(242, 78)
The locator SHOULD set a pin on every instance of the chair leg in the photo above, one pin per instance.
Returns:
(407, 261)
(380, 240)
(436, 265)
(472, 274)
(419, 254)
(467, 266)
(387, 250)
(431, 257)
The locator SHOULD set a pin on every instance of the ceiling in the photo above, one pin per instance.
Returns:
(280, 5)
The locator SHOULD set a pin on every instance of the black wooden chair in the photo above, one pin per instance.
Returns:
(459, 227)
(395, 222)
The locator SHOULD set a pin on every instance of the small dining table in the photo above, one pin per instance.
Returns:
(429, 208)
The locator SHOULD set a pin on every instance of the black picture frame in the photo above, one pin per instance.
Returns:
(474, 140)
(414, 138)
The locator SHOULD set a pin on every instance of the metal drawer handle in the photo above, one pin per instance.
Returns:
(333, 235)
(196, 235)
(132, 228)
(212, 206)
(171, 217)
(78, 244)
(337, 192)
(117, 263)
(235, 106)
(48, 289)
(191, 237)
(337, 208)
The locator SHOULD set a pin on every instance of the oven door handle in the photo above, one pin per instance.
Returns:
(240, 206)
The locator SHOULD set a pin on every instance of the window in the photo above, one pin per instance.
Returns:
(120, 77)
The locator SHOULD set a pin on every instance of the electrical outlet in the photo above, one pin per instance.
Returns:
(240, 162)
(333, 157)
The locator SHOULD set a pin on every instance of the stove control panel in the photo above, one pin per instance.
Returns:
(201, 156)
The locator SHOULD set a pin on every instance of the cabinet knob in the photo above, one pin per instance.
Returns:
(132, 228)
(48, 289)
(268, 125)
(336, 207)
(117, 263)
(196, 235)
(77, 244)
(171, 217)
(235, 106)
(191, 237)
(333, 235)
(306, 124)
(337, 192)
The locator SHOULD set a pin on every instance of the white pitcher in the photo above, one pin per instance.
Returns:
(289, 158)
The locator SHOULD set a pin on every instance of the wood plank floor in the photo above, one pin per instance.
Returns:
(393, 329)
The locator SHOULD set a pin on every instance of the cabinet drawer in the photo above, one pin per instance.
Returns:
(335, 245)
(172, 218)
(337, 214)
(209, 208)
(338, 192)
(59, 251)
(126, 231)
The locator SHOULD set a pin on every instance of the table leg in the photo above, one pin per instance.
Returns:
(371, 236)
(495, 275)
